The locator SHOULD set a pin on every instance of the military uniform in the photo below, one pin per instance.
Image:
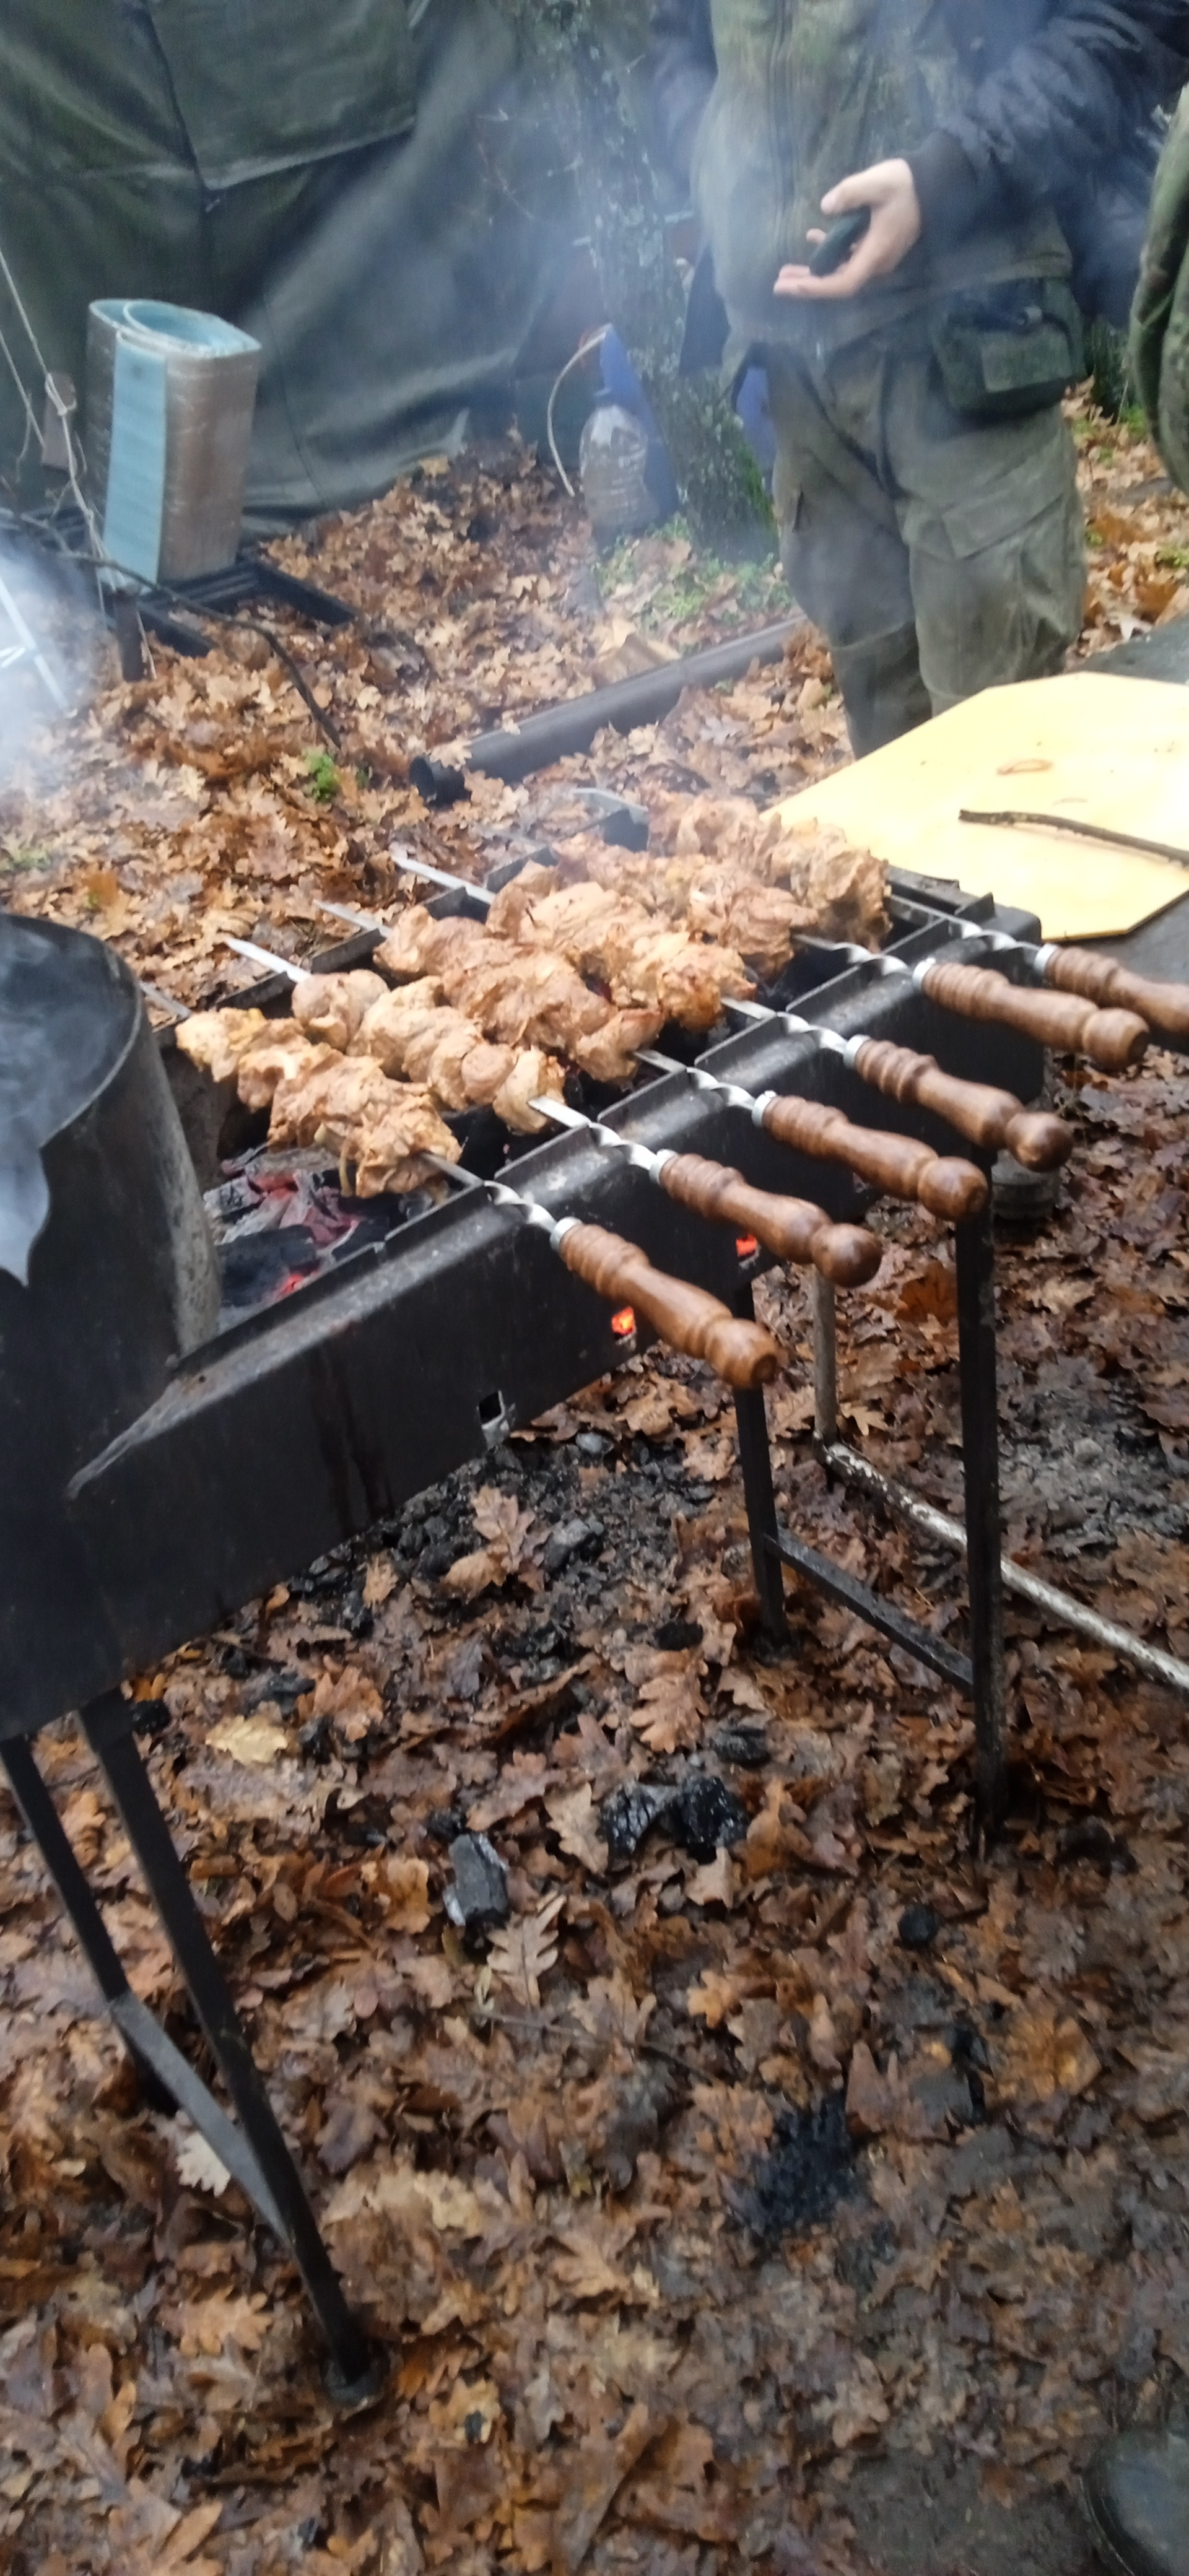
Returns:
(924, 480)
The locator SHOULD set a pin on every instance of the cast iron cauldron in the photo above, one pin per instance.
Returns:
(107, 1273)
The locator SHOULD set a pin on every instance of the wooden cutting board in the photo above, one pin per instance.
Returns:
(1107, 750)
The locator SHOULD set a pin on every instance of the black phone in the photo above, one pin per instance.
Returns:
(837, 245)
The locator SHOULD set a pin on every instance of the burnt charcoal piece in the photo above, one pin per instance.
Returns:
(705, 1815)
(745, 1746)
(592, 1444)
(810, 2166)
(255, 1266)
(571, 1538)
(445, 1824)
(436, 782)
(478, 1900)
(674, 1636)
(1090, 1839)
(628, 1816)
(918, 1927)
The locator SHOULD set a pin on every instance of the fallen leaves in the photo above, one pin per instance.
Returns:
(525, 1950)
(514, 1544)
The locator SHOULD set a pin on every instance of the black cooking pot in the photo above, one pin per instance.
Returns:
(107, 1273)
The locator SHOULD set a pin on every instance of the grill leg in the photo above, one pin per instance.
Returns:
(53, 1842)
(755, 1460)
(824, 1309)
(975, 1265)
(258, 2146)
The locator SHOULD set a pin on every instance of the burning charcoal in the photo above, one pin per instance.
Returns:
(705, 1814)
(744, 1746)
(675, 1635)
(256, 1267)
(478, 1900)
(917, 1927)
(445, 1824)
(570, 1538)
(436, 782)
(629, 1814)
(809, 2167)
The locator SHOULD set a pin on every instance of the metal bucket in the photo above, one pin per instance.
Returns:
(170, 400)
(121, 1279)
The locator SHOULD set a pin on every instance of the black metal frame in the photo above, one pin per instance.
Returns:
(351, 1397)
(981, 1672)
(252, 2146)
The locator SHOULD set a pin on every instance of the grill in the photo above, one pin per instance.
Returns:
(422, 1350)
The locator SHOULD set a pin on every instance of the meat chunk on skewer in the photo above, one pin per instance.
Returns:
(216, 1040)
(518, 994)
(284, 1054)
(330, 1007)
(378, 1129)
(410, 1032)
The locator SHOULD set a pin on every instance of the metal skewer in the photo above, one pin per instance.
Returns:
(945, 1184)
(794, 1229)
(686, 1317)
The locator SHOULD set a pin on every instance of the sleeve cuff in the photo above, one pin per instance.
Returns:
(953, 196)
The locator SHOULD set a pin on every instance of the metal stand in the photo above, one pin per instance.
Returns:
(755, 1459)
(252, 2146)
(980, 1674)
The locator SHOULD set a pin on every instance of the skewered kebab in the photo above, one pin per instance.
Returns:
(793, 1229)
(897, 1165)
(988, 1117)
(291, 1073)
(375, 1124)
(380, 1133)
(582, 916)
(686, 1317)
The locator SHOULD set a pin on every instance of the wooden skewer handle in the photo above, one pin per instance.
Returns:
(942, 1183)
(1103, 980)
(744, 1354)
(1112, 1039)
(793, 1229)
(990, 1118)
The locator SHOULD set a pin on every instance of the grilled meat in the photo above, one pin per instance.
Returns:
(412, 1033)
(519, 994)
(330, 1007)
(377, 1129)
(216, 1040)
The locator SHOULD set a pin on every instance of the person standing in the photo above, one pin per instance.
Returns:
(996, 157)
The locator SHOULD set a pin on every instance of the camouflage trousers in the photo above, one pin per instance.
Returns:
(939, 554)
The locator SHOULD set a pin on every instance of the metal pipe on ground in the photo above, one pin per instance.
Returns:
(644, 699)
(1061, 1607)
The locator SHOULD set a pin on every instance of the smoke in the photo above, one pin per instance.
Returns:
(50, 647)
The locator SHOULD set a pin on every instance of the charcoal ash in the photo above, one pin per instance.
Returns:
(702, 1814)
(676, 1636)
(810, 2166)
(707, 1816)
(477, 1899)
(746, 1748)
(627, 1817)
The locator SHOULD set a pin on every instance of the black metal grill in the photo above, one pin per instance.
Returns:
(416, 1355)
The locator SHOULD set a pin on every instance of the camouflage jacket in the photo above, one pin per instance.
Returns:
(1006, 112)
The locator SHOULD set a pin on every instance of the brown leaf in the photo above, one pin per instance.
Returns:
(525, 1950)
(593, 2475)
